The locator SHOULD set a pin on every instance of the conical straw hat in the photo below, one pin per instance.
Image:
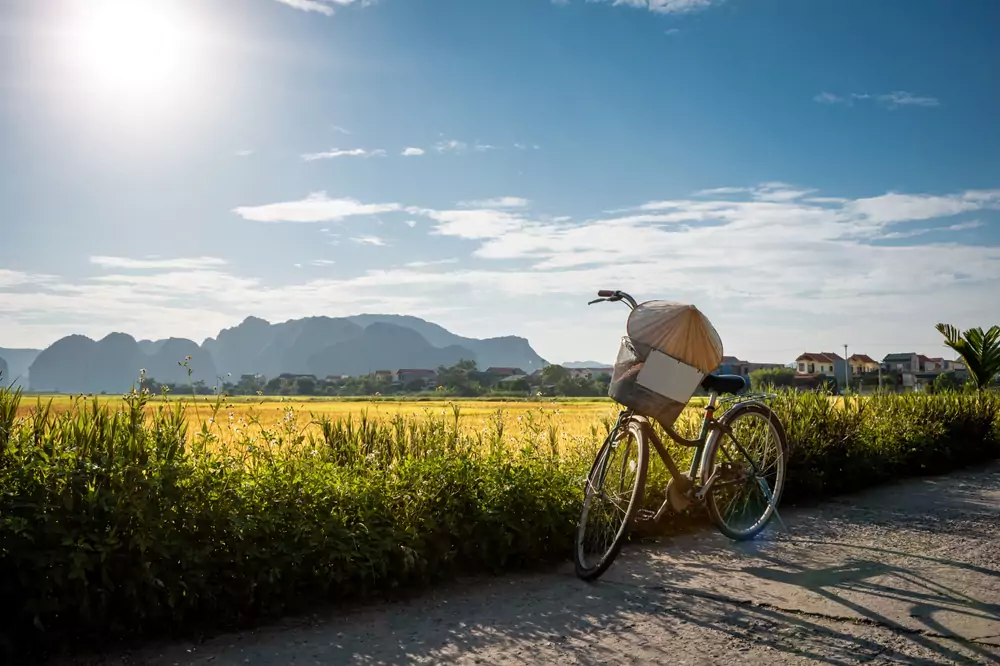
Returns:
(678, 330)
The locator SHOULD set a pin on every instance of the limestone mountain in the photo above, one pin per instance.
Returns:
(384, 347)
(508, 351)
(77, 364)
(319, 346)
(18, 362)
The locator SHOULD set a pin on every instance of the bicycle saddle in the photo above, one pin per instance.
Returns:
(725, 384)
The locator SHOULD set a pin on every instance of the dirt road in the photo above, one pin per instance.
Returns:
(907, 574)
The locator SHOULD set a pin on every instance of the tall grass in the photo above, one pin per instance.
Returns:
(127, 522)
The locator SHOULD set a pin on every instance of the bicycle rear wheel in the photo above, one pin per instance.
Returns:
(749, 466)
(612, 496)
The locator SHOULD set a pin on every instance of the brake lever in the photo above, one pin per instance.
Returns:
(597, 300)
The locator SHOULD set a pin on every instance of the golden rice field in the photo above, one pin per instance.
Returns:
(569, 420)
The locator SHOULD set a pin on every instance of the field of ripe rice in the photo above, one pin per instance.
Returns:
(565, 421)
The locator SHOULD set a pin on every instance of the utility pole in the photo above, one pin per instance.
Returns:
(847, 371)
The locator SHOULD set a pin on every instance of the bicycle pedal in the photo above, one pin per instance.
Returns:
(645, 516)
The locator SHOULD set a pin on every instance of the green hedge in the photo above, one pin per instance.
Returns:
(114, 524)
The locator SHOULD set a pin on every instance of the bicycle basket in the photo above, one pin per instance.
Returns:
(669, 349)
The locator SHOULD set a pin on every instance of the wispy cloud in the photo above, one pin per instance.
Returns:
(483, 147)
(436, 262)
(411, 223)
(892, 100)
(767, 268)
(342, 130)
(155, 263)
(337, 152)
(451, 146)
(902, 98)
(773, 191)
(325, 7)
(665, 6)
(323, 262)
(368, 240)
(246, 152)
(412, 152)
(830, 98)
(317, 207)
(498, 202)
(961, 226)
(671, 31)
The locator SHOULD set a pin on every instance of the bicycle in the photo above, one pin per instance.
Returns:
(721, 466)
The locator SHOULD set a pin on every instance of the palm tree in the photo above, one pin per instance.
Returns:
(979, 351)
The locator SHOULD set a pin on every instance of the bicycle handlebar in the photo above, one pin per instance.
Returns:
(609, 295)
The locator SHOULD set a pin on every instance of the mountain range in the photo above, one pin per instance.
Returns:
(320, 346)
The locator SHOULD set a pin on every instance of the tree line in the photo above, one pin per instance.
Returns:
(463, 379)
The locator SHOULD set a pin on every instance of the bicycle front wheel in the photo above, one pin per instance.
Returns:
(612, 496)
(747, 459)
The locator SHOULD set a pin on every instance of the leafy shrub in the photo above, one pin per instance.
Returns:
(122, 523)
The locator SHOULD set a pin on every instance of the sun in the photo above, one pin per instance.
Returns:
(131, 51)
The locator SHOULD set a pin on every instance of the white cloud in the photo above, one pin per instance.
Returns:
(324, 7)
(155, 263)
(246, 152)
(499, 202)
(774, 276)
(411, 223)
(829, 98)
(412, 152)
(342, 130)
(323, 262)
(336, 152)
(904, 98)
(961, 226)
(894, 207)
(368, 240)
(665, 6)
(316, 207)
(671, 31)
(483, 147)
(436, 262)
(451, 146)
(892, 100)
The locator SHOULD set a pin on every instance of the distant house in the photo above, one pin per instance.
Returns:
(408, 375)
(294, 377)
(827, 364)
(931, 365)
(902, 362)
(504, 372)
(862, 364)
(955, 366)
(730, 365)
(383, 375)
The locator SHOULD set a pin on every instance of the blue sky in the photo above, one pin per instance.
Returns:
(808, 174)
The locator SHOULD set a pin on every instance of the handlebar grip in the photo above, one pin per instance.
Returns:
(605, 293)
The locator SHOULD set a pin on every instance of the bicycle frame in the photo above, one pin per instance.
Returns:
(689, 481)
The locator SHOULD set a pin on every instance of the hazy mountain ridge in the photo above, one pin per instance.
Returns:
(319, 346)
(505, 351)
(585, 364)
(18, 362)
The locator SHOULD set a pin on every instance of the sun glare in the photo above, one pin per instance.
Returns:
(129, 52)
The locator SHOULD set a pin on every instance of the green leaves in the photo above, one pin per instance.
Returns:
(980, 351)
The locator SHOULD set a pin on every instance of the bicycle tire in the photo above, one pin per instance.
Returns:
(730, 419)
(632, 431)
